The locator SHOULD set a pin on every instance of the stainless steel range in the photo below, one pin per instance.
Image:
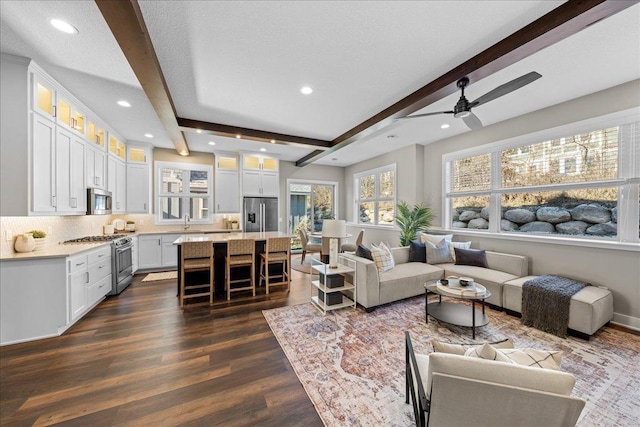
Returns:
(121, 259)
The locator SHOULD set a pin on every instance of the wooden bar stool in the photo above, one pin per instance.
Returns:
(240, 253)
(277, 251)
(196, 256)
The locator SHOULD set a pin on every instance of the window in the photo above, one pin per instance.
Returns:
(567, 186)
(183, 189)
(376, 196)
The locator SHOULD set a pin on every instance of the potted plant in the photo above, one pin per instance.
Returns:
(234, 224)
(131, 226)
(412, 220)
(40, 238)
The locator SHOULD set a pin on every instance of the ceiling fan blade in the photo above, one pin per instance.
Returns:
(424, 115)
(472, 121)
(506, 88)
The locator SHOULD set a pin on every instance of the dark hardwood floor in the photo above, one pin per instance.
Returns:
(138, 359)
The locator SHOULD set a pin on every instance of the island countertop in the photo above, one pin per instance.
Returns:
(222, 238)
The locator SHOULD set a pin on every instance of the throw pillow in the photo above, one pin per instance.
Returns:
(488, 352)
(417, 251)
(435, 238)
(382, 257)
(459, 245)
(534, 358)
(363, 252)
(437, 254)
(452, 348)
(475, 257)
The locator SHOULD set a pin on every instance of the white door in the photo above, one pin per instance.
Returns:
(43, 150)
(137, 189)
(78, 293)
(270, 184)
(251, 183)
(121, 187)
(100, 166)
(227, 192)
(78, 188)
(150, 253)
(169, 251)
(63, 171)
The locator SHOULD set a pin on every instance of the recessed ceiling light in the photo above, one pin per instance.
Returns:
(263, 149)
(306, 90)
(212, 143)
(199, 130)
(63, 26)
(445, 126)
(273, 141)
(238, 136)
(148, 135)
(124, 103)
(184, 153)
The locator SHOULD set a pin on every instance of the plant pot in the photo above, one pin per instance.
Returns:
(25, 243)
(40, 243)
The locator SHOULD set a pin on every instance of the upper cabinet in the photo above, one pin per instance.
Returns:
(227, 183)
(139, 153)
(96, 134)
(260, 175)
(117, 147)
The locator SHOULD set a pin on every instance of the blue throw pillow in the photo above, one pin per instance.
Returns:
(417, 251)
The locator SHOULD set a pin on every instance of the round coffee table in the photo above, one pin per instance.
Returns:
(454, 313)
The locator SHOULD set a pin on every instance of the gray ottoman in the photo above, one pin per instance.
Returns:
(589, 310)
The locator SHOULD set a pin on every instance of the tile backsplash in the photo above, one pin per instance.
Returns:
(61, 228)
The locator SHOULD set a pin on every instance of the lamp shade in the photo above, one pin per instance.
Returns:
(334, 228)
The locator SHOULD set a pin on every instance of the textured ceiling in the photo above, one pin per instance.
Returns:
(243, 63)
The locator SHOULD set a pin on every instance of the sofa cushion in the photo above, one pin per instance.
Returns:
(460, 349)
(406, 280)
(490, 279)
(500, 372)
(437, 254)
(417, 251)
(459, 245)
(382, 257)
(534, 358)
(435, 238)
(364, 252)
(487, 352)
(476, 257)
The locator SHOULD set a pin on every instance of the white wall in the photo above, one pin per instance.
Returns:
(619, 270)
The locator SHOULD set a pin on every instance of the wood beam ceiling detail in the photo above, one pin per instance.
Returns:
(126, 22)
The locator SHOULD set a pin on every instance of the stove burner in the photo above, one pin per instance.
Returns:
(89, 239)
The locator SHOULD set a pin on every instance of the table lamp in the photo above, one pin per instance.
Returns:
(334, 229)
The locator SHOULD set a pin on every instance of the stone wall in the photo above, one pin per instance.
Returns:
(585, 219)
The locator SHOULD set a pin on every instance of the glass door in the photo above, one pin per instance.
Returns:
(309, 205)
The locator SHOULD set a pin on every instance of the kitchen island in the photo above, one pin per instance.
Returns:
(219, 242)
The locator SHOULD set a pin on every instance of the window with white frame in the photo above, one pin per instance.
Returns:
(580, 184)
(375, 192)
(183, 189)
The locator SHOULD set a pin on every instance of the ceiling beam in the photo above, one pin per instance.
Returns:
(249, 134)
(562, 22)
(126, 22)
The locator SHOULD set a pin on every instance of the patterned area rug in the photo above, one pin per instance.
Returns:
(165, 275)
(351, 363)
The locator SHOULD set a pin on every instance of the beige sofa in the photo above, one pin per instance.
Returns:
(407, 279)
(453, 390)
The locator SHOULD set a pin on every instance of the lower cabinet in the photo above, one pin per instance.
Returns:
(134, 254)
(157, 251)
(89, 280)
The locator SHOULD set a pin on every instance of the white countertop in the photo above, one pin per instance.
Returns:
(53, 251)
(222, 238)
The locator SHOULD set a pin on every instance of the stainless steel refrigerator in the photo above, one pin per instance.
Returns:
(260, 214)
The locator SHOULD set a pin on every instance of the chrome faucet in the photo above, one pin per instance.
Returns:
(187, 219)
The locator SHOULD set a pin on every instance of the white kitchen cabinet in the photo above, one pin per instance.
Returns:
(95, 169)
(169, 250)
(137, 189)
(138, 152)
(68, 113)
(260, 176)
(150, 253)
(43, 169)
(89, 280)
(117, 184)
(58, 169)
(44, 92)
(227, 193)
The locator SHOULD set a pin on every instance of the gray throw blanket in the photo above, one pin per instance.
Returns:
(545, 303)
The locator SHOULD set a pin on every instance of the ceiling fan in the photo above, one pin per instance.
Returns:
(463, 108)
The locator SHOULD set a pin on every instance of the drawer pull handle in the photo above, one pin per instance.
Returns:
(102, 266)
(79, 264)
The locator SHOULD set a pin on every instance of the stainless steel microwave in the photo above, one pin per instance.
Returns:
(98, 202)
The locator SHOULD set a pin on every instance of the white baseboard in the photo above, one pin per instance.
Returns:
(626, 321)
